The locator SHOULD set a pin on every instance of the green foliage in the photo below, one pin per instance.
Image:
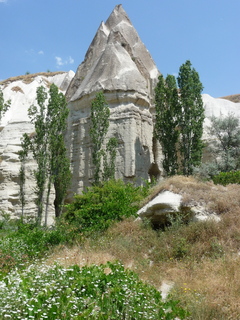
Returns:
(179, 120)
(193, 242)
(4, 106)
(167, 120)
(109, 159)
(206, 170)
(48, 149)
(225, 178)
(226, 146)
(224, 149)
(59, 163)
(22, 178)
(100, 205)
(100, 114)
(192, 117)
(38, 146)
(22, 242)
(92, 292)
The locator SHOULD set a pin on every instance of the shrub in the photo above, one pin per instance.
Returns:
(99, 206)
(92, 292)
(225, 178)
(226, 142)
(22, 242)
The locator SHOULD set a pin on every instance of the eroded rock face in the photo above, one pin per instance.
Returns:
(158, 209)
(168, 203)
(22, 92)
(117, 63)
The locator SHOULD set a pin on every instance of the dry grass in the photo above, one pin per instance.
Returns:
(215, 197)
(234, 98)
(201, 259)
(77, 255)
(17, 89)
(28, 78)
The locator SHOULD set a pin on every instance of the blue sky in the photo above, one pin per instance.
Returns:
(41, 35)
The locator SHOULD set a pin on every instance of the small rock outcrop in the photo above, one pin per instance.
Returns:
(117, 63)
(168, 203)
(158, 209)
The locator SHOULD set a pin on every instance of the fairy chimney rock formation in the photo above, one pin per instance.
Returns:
(118, 64)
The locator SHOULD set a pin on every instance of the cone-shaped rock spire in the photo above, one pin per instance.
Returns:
(117, 63)
(116, 60)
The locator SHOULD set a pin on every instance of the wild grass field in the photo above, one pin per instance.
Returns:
(200, 261)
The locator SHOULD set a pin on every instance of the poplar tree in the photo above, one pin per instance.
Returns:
(48, 149)
(99, 125)
(22, 179)
(37, 145)
(192, 117)
(167, 121)
(59, 164)
(100, 114)
(179, 120)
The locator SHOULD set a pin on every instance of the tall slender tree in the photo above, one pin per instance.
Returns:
(192, 117)
(60, 173)
(37, 144)
(100, 114)
(48, 149)
(22, 179)
(167, 121)
(179, 120)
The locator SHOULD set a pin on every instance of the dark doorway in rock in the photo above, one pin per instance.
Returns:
(154, 172)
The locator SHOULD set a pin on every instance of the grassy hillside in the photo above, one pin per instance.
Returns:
(234, 98)
(28, 78)
(200, 260)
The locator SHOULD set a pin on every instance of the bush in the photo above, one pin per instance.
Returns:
(225, 178)
(92, 292)
(99, 206)
(23, 242)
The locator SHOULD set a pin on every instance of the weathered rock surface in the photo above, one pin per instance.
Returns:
(160, 207)
(117, 63)
(169, 203)
(116, 60)
(22, 92)
(218, 107)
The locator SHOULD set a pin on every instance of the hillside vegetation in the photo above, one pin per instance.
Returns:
(29, 77)
(234, 98)
(200, 260)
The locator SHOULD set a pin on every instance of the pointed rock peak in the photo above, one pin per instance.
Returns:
(118, 15)
(116, 60)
